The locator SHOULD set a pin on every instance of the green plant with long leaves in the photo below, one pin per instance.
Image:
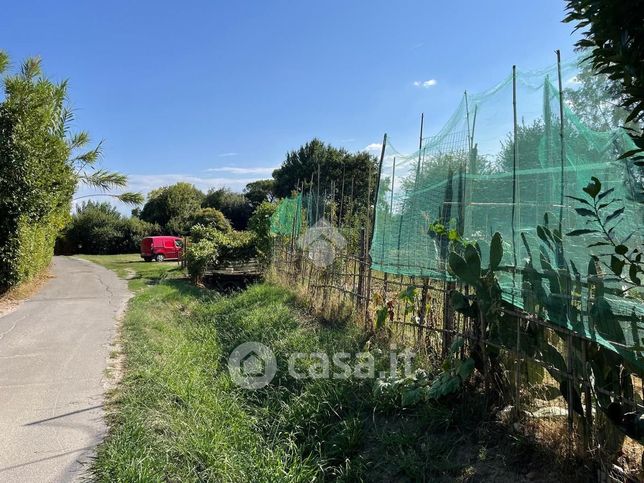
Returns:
(554, 293)
(484, 307)
(603, 213)
(422, 386)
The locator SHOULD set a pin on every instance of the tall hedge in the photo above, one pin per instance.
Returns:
(37, 179)
(97, 228)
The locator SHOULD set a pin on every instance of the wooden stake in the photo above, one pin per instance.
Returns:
(317, 200)
(420, 148)
(375, 197)
(517, 368)
(563, 149)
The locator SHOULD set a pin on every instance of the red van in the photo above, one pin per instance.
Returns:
(161, 248)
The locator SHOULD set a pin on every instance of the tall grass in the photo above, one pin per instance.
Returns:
(177, 416)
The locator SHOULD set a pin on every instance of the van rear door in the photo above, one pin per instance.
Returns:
(146, 247)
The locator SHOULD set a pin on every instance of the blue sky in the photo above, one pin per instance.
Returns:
(216, 93)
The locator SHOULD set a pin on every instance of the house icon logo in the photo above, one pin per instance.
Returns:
(252, 365)
(322, 242)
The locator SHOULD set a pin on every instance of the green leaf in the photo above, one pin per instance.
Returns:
(408, 294)
(381, 317)
(621, 249)
(632, 273)
(630, 153)
(593, 188)
(453, 235)
(581, 200)
(4, 61)
(605, 194)
(585, 212)
(456, 345)
(131, 198)
(581, 231)
(473, 259)
(459, 301)
(616, 265)
(466, 369)
(412, 397)
(496, 251)
(614, 215)
(541, 233)
(460, 269)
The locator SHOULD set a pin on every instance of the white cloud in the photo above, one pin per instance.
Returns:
(227, 155)
(426, 84)
(236, 170)
(375, 147)
(144, 183)
(147, 182)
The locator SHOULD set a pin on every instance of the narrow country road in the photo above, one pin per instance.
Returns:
(54, 350)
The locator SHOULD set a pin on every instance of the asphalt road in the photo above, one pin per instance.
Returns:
(54, 350)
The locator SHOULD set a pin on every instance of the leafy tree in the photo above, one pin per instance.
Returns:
(209, 246)
(234, 206)
(597, 100)
(211, 217)
(529, 138)
(259, 191)
(614, 34)
(301, 166)
(173, 207)
(98, 228)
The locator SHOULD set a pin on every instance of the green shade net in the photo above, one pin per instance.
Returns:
(287, 219)
(468, 179)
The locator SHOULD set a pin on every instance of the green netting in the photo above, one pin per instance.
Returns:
(468, 178)
(287, 219)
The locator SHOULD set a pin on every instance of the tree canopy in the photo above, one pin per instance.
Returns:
(613, 32)
(334, 166)
(99, 228)
(259, 191)
(235, 206)
(173, 207)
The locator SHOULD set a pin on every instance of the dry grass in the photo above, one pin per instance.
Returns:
(11, 300)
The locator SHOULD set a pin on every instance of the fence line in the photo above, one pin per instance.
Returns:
(430, 326)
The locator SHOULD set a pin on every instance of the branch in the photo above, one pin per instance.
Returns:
(129, 198)
(104, 180)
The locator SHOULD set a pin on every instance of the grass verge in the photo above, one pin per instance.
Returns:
(177, 416)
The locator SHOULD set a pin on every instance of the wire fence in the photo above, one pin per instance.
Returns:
(532, 390)
(557, 338)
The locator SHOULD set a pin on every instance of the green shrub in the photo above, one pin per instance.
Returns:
(37, 179)
(99, 229)
(173, 207)
(260, 225)
(211, 217)
(36, 243)
(209, 246)
(235, 206)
